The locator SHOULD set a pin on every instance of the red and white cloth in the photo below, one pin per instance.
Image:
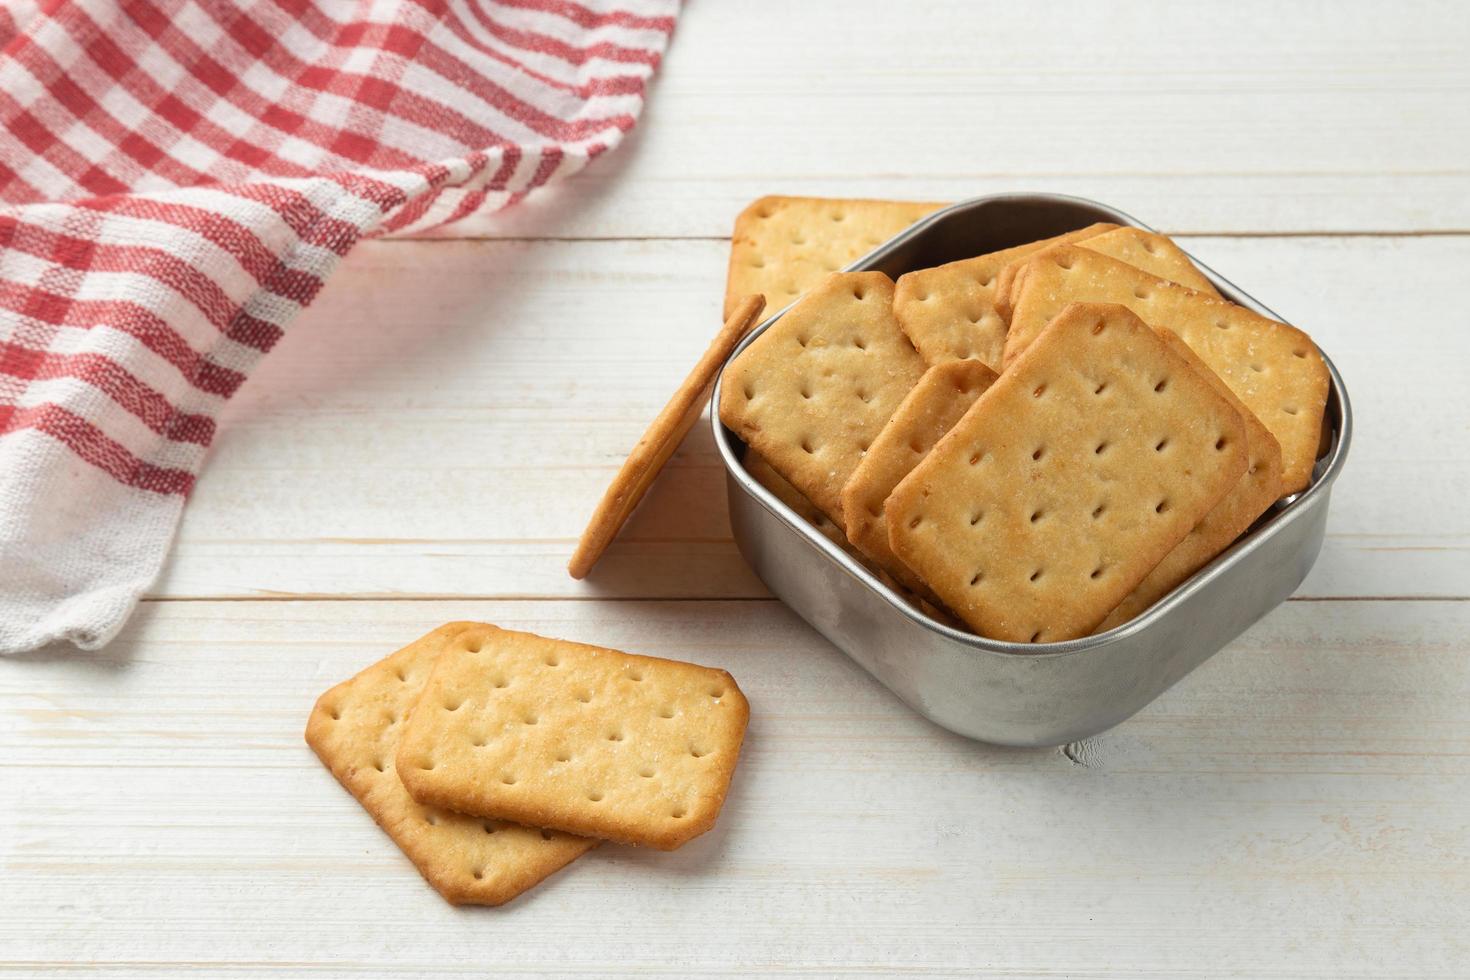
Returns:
(177, 179)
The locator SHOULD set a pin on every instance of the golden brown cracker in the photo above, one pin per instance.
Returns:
(659, 441)
(1273, 368)
(812, 392)
(944, 393)
(1153, 253)
(1068, 481)
(354, 729)
(1257, 489)
(579, 738)
(783, 246)
(948, 312)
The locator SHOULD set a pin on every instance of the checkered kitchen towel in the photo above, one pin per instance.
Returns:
(177, 179)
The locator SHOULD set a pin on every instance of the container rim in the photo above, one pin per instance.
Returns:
(1325, 472)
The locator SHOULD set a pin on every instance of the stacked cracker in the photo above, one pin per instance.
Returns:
(494, 758)
(1041, 441)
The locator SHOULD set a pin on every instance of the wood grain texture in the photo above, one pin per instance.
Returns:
(1297, 805)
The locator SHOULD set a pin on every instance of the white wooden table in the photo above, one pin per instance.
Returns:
(427, 441)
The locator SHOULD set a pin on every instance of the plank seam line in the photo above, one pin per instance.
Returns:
(486, 597)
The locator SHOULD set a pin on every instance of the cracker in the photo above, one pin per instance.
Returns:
(944, 393)
(1274, 368)
(578, 738)
(1153, 253)
(1068, 481)
(783, 246)
(1256, 490)
(812, 392)
(659, 441)
(354, 729)
(948, 312)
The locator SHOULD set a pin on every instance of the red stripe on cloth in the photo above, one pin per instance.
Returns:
(114, 381)
(570, 53)
(125, 316)
(95, 447)
(586, 17)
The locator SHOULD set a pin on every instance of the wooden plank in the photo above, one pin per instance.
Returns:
(1196, 117)
(1297, 806)
(443, 419)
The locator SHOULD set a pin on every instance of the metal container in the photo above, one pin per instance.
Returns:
(1014, 693)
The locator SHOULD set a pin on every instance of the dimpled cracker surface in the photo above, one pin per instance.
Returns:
(354, 730)
(1256, 490)
(944, 393)
(1153, 253)
(783, 246)
(948, 312)
(1068, 481)
(659, 441)
(579, 738)
(812, 392)
(1274, 368)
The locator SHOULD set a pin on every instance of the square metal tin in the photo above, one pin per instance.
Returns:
(1013, 693)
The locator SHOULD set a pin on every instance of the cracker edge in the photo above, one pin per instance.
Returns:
(659, 441)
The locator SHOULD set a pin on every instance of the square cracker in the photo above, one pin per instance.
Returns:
(354, 729)
(944, 393)
(659, 441)
(1153, 253)
(783, 246)
(948, 312)
(1258, 488)
(812, 392)
(1069, 480)
(1274, 368)
(578, 738)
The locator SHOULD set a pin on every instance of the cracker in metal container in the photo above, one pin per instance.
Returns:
(1272, 367)
(948, 312)
(812, 392)
(354, 729)
(783, 246)
(936, 403)
(579, 738)
(1068, 481)
(1153, 253)
(658, 443)
(1258, 488)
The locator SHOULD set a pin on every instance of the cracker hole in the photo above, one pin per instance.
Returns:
(400, 674)
(1162, 506)
(717, 692)
(1037, 391)
(987, 280)
(378, 765)
(584, 696)
(508, 779)
(1099, 327)
(1221, 325)
(1036, 575)
(806, 446)
(595, 796)
(975, 579)
(563, 756)
(530, 720)
(1040, 451)
(614, 736)
(1148, 246)
(552, 660)
(914, 523)
(336, 714)
(859, 343)
(806, 391)
(858, 293)
(479, 743)
(501, 682)
(838, 216)
(875, 510)
(1159, 446)
(1035, 636)
(1162, 385)
(426, 764)
(976, 517)
(1221, 443)
(1139, 292)
(634, 674)
(915, 445)
(798, 240)
(749, 392)
(1257, 368)
(489, 828)
(1101, 447)
(1098, 511)
(1097, 572)
(864, 396)
(976, 456)
(1100, 388)
(758, 263)
(678, 813)
(646, 772)
(546, 834)
(697, 752)
(1289, 410)
(431, 818)
(392, 720)
(453, 705)
(476, 646)
(1299, 353)
(1036, 515)
(1064, 262)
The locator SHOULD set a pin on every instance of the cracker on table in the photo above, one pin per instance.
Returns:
(783, 246)
(944, 393)
(1069, 480)
(812, 392)
(1274, 368)
(354, 729)
(659, 441)
(1256, 490)
(579, 738)
(1153, 253)
(948, 311)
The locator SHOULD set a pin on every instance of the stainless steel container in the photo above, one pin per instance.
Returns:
(1012, 693)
